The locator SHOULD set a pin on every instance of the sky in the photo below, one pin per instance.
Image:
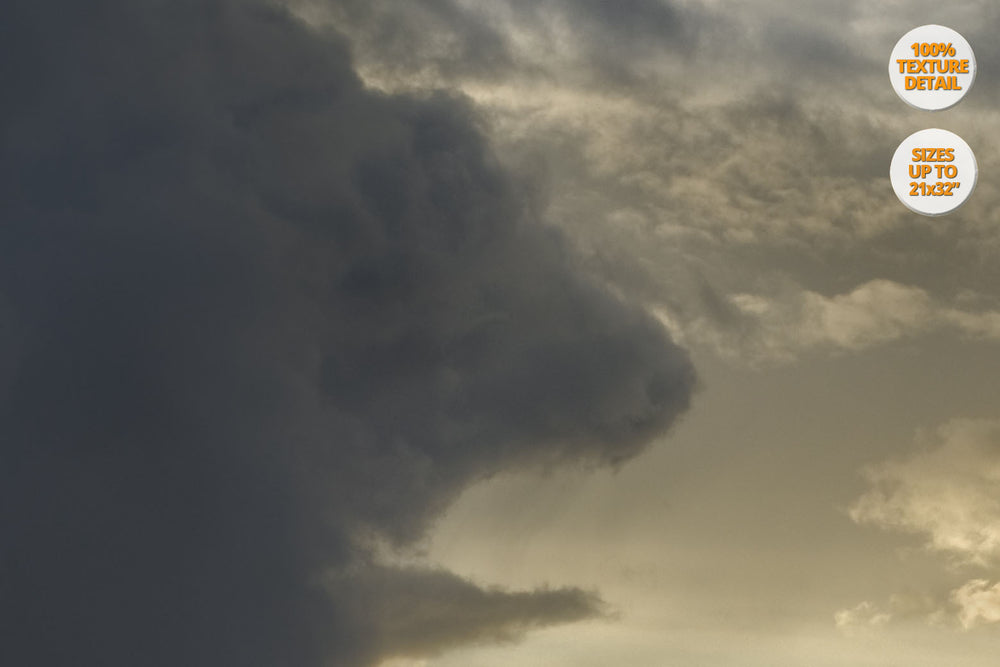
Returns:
(435, 333)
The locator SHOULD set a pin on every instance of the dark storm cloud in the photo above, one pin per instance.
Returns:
(253, 316)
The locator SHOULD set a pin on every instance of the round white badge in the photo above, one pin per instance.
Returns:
(932, 67)
(933, 171)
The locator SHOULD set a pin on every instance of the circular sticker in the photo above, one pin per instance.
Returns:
(933, 171)
(932, 67)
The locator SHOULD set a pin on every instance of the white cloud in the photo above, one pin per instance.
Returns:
(781, 328)
(861, 618)
(978, 603)
(866, 617)
(949, 494)
(873, 313)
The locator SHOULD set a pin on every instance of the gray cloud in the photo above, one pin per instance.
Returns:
(253, 315)
(747, 149)
(419, 613)
(438, 37)
(436, 41)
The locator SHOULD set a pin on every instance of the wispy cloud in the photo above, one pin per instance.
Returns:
(948, 494)
(978, 603)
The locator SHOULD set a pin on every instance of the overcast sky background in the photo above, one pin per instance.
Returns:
(455, 332)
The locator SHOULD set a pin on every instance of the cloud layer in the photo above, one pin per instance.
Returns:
(688, 145)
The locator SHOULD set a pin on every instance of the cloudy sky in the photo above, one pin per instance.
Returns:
(438, 333)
